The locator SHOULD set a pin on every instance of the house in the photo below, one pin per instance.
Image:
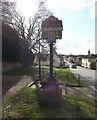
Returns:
(87, 61)
(96, 63)
(71, 59)
(45, 59)
(56, 60)
(78, 60)
(61, 59)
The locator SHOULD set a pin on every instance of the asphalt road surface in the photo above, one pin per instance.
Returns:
(87, 77)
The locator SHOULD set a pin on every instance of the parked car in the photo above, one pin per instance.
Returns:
(66, 66)
(74, 66)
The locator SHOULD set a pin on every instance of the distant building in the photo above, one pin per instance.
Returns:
(88, 60)
(45, 59)
(78, 61)
(71, 59)
(88, 52)
(96, 63)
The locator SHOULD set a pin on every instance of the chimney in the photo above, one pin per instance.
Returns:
(88, 52)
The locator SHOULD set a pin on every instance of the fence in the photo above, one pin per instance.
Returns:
(45, 72)
(68, 78)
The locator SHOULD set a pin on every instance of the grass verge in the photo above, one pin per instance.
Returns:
(61, 73)
(22, 71)
(25, 105)
(65, 75)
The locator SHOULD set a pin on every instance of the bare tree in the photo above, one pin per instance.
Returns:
(35, 33)
(11, 17)
(28, 32)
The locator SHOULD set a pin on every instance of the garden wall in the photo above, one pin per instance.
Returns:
(10, 65)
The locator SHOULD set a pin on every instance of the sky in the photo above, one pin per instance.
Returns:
(78, 17)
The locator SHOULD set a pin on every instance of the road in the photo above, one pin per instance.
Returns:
(88, 78)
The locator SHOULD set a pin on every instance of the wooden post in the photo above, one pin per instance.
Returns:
(51, 59)
(43, 72)
(67, 77)
(78, 79)
(39, 63)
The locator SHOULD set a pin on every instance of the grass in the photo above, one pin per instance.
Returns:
(46, 71)
(62, 75)
(22, 71)
(25, 105)
(26, 70)
(47, 68)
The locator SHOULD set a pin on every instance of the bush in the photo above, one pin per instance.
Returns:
(11, 45)
(27, 56)
(93, 65)
(14, 49)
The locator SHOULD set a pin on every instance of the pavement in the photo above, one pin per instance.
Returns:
(14, 84)
(88, 78)
(72, 91)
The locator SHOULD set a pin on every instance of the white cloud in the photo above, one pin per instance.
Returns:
(69, 45)
(91, 7)
(96, 46)
(73, 5)
(88, 43)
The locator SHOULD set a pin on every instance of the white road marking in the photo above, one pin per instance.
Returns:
(93, 88)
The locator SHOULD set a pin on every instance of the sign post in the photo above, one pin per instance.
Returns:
(51, 38)
(51, 93)
(51, 30)
(51, 59)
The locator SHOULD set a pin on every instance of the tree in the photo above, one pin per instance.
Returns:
(93, 65)
(29, 33)
(11, 17)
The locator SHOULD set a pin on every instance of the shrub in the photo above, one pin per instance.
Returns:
(11, 45)
(27, 56)
(93, 65)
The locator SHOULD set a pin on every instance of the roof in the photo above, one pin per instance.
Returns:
(89, 56)
(43, 57)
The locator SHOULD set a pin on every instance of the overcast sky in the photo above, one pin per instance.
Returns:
(78, 18)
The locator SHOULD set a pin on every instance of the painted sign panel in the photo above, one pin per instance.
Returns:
(52, 28)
